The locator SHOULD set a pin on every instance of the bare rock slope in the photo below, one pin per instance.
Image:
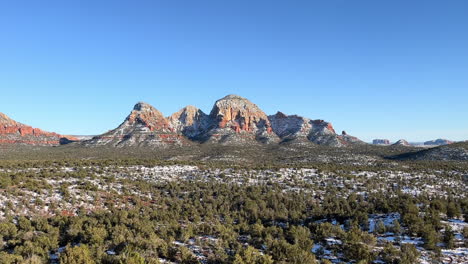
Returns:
(144, 126)
(301, 129)
(190, 121)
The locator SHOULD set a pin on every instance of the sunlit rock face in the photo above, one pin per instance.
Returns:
(237, 120)
(144, 126)
(12, 132)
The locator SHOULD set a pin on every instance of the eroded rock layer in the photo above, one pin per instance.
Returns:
(12, 132)
(237, 120)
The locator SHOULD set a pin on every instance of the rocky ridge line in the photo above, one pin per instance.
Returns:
(232, 120)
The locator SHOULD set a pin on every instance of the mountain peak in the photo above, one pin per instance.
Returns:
(145, 125)
(186, 115)
(280, 115)
(239, 114)
(142, 106)
(6, 121)
(149, 116)
(232, 97)
(190, 108)
(190, 121)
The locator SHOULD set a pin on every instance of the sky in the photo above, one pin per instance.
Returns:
(377, 69)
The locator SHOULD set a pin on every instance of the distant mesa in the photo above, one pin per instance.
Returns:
(12, 132)
(438, 142)
(381, 142)
(457, 151)
(233, 120)
(402, 142)
(347, 139)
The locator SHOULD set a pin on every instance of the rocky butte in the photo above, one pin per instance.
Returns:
(233, 120)
(401, 142)
(12, 132)
(381, 142)
(438, 142)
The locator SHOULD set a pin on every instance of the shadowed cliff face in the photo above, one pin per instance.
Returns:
(301, 129)
(190, 121)
(12, 132)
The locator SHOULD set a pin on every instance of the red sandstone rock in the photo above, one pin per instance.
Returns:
(12, 132)
(149, 116)
(239, 114)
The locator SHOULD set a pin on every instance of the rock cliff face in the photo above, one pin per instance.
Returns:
(232, 120)
(348, 139)
(290, 127)
(144, 126)
(6, 121)
(12, 132)
(236, 120)
(148, 116)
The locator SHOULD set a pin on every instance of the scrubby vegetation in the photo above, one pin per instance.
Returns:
(147, 210)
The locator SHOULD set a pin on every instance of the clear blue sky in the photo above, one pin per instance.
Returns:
(377, 69)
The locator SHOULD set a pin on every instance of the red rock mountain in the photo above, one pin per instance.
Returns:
(144, 126)
(232, 120)
(300, 129)
(236, 120)
(149, 117)
(12, 132)
(190, 121)
(348, 139)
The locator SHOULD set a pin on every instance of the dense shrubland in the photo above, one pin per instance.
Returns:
(224, 222)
